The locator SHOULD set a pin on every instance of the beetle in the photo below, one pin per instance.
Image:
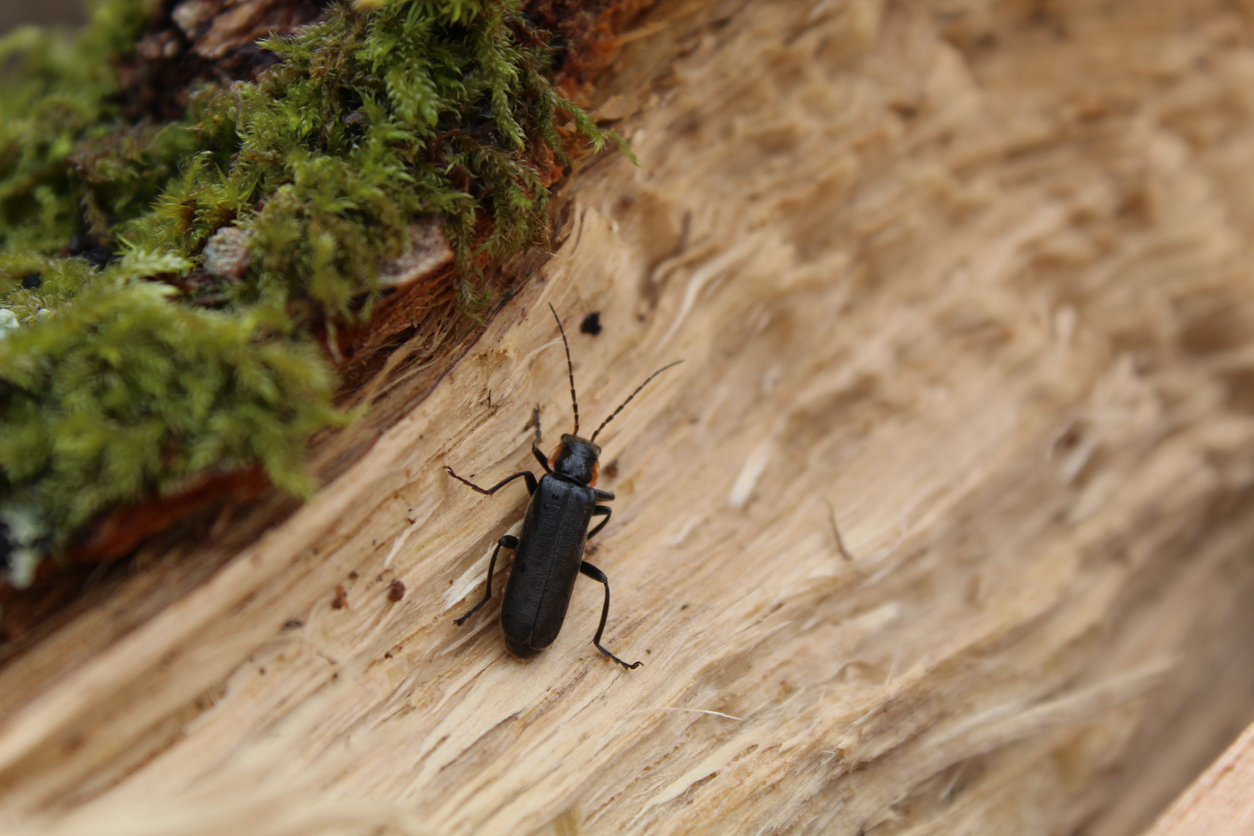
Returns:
(548, 552)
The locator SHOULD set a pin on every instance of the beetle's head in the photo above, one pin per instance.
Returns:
(576, 458)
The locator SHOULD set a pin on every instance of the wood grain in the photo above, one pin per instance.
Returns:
(1220, 802)
(972, 279)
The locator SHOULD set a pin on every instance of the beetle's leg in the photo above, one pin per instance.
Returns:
(527, 475)
(535, 451)
(597, 575)
(606, 495)
(600, 511)
(508, 541)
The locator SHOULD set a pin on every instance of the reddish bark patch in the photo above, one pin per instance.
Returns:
(586, 32)
(118, 532)
(194, 42)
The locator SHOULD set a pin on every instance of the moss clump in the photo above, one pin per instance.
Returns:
(55, 110)
(123, 378)
(122, 393)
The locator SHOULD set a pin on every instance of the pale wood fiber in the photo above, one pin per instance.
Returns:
(1220, 802)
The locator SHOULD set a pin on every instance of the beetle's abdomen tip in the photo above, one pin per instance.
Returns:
(522, 651)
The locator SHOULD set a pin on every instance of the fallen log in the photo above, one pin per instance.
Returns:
(943, 525)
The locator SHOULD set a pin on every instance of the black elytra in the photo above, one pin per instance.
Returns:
(548, 552)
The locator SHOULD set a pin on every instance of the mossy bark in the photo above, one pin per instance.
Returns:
(261, 193)
(943, 526)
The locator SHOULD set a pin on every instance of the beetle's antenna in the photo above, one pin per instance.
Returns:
(570, 367)
(629, 397)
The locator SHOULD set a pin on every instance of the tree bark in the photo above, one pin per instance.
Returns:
(943, 526)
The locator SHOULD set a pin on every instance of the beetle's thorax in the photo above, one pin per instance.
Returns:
(576, 459)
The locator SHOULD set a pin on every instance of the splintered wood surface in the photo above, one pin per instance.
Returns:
(1220, 802)
(969, 282)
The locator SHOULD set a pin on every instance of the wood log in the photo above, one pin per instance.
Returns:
(943, 526)
(1221, 801)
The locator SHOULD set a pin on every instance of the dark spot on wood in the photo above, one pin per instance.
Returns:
(591, 324)
(293, 624)
(341, 598)
(74, 741)
(397, 591)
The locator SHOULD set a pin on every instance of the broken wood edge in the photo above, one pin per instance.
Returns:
(1220, 802)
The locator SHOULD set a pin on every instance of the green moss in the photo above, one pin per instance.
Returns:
(54, 106)
(120, 383)
(122, 392)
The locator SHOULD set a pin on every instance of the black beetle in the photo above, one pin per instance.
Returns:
(548, 552)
